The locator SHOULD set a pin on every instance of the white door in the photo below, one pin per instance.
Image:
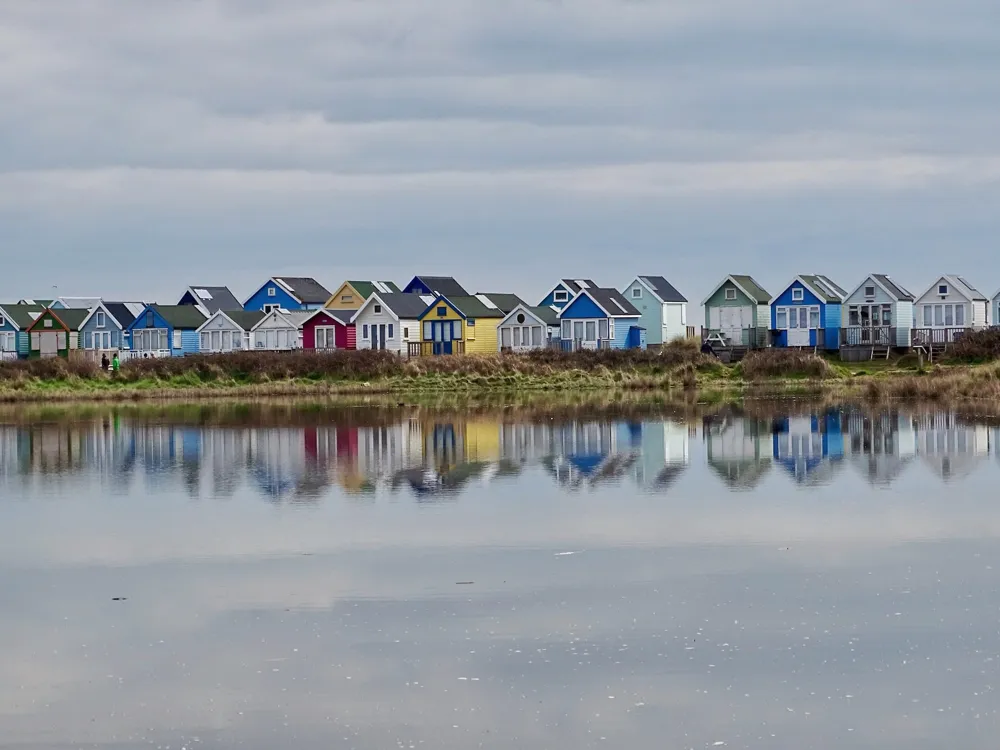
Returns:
(48, 344)
(798, 326)
(732, 322)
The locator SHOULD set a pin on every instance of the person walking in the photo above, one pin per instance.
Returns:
(115, 363)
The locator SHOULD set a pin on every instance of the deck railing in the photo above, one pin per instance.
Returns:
(937, 336)
(8, 356)
(573, 345)
(143, 354)
(427, 348)
(868, 336)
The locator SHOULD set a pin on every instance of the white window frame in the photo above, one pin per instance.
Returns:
(637, 292)
(269, 308)
(3, 321)
(560, 296)
(8, 341)
(871, 294)
(376, 309)
(798, 294)
(100, 320)
(567, 330)
(779, 311)
(730, 294)
(178, 342)
(943, 289)
(272, 292)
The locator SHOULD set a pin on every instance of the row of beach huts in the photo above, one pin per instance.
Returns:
(436, 315)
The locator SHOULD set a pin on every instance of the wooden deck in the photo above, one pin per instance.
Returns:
(727, 349)
(936, 341)
(867, 342)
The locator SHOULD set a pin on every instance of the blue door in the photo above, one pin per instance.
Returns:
(442, 336)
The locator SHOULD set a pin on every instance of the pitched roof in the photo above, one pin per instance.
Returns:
(575, 285)
(20, 315)
(406, 306)
(214, 298)
(755, 291)
(367, 288)
(548, 315)
(180, 316)
(613, 302)
(964, 286)
(245, 319)
(344, 316)
(506, 302)
(823, 288)
(663, 289)
(443, 285)
(72, 318)
(892, 287)
(475, 306)
(305, 289)
(120, 311)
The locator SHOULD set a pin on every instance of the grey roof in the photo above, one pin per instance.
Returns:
(404, 306)
(613, 302)
(444, 285)
(245, 319)
(180, 316)
(120, 312)
(893, 288)
(823, 288)
(306, 290)
(344, 316)
(664, 289)
(755, 290)
(218, 297)
(971, 291)
(506, 302)
(575, 286)
(21, 315)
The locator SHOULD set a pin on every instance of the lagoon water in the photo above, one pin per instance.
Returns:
(770, 576)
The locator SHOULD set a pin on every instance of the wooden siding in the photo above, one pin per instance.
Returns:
(651, 311)
(550, 300)
(831, 325)
(481, 338)
(718, 299)
(220, 323)
(109, 325)
(369, 318)
(344, 336)
(336, 301)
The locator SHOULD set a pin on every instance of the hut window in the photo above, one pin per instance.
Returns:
(346, 298)
(505, 338)
(949, 315)
(47, 323)
(3, 322)
(270, 291)
(796, 295)
(853, 316)
(520, 317)
(364, 332)
(928, 315)
(406, 333)
(536, 335)
(561, 296)
(942, 289)
(377, 309)
(730, 293)
(781, 318)
(100, 319)
(567, 329)
(591, 330)
(960, 315)
(178, 340)
(442, 312)
(205, 341)
(391, 336)
(149, 319)
(869, 291)
(887, 315)
(603, 330)
(637, 293)
(814, 317)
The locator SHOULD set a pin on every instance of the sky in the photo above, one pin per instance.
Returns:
(146, 147)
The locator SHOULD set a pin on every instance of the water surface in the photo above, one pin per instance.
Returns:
(764, 577)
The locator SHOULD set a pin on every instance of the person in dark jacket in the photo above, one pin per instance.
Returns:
(104, 362)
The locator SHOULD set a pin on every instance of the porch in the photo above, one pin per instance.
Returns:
(6, 356)
(575, 345)
(732, 345)
(936, 340)
(144, 354)
(434, 348)
(859, 343)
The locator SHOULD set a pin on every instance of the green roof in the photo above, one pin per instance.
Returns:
(473, 307)
(546, 314)
(21, 316)
(367, 288)
(506, 302)
(755, 290)
(72, 318)
(245, 319)
(180, 316)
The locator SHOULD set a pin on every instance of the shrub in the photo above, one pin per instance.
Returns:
(976, 346)
(774, 363)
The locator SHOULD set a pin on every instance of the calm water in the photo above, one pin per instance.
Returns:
(293, 578)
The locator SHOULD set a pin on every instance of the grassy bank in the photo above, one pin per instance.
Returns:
(679, 368)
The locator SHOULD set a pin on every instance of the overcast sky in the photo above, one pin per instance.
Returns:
(148, 146)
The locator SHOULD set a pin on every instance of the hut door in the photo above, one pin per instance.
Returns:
(798, 326)
(48, 345)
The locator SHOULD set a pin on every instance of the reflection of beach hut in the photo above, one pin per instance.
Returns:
(809, 447)
(952, 449)
(591, 452)
(663, 454)
(880, 444)
(736, 450)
